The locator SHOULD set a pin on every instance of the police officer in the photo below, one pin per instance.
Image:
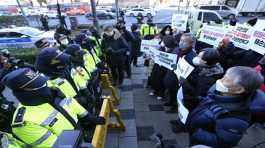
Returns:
(78, 66)
(44, 112)
(56, 65)
(8, 141)
(148, 30)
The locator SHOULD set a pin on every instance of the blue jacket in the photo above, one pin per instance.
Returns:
(257, 105)
(218, 121)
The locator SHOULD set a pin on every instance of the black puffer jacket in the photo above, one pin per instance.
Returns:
(115, 48)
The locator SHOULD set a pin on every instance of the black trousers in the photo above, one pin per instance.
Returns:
(117, 73)
(172, 92)
(134, 59)
(128, 66)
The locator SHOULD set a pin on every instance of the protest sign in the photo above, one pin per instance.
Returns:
(179, 21)
(165, 59)
(184, 69)
(146, 45)
(212, 34)
(257, 42)
(183, 112)
(240, 36)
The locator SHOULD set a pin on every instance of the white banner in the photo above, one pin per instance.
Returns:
(166, 59)
(184, 69)
(179, 21)
(241, 36)
(183, 112)
(212, 34)
(257, 42)
(146, 45)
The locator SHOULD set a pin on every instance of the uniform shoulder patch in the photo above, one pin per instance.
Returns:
(19, 119)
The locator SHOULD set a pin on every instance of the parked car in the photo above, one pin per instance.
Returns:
(101, 14)
(137, 11)
(24, 37)
(75, 11)
(223, 10)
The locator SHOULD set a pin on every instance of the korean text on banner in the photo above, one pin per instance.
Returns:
(166, 59)
(241, 36)
(179, 21)
(184, 69)
(212, 35)
(257, 42)
(146, 45)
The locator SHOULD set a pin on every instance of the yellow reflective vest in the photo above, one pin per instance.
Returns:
(63, 85)
(148, 30)
(80, 77)
(39, 126)
(8, 141)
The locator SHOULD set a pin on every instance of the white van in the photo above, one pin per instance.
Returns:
(223, 10)
(198, 17)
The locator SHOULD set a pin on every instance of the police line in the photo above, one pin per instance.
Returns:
(243, 36)
(168, 60)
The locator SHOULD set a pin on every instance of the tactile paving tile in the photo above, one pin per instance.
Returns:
(156, 107)
(144, 133)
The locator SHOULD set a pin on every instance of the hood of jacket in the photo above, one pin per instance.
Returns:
(211, 70)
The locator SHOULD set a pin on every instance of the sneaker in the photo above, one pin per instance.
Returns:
(159, 98)
(151, 94)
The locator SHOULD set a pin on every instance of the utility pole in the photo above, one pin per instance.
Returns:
(22, 11)
(117, 9)
(95, 19)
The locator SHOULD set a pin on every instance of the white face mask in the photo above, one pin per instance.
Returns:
(167, 32)
(64, 41)
(162, 44)
(219, 86)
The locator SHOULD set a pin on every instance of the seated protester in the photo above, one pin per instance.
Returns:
(260, 68)
(208, 71)
(171, 82)
(227, 53)
(223, 116)
(44, 112)
(158, 72)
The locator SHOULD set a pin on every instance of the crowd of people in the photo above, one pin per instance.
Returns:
(224, 94)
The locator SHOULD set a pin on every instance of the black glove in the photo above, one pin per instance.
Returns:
(90, 119)
(57, 93)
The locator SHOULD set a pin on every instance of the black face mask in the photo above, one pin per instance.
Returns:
(78, 58)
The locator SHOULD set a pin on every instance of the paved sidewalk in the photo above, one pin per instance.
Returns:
(143, 116)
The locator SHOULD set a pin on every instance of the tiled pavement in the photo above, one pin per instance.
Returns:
(143, 115)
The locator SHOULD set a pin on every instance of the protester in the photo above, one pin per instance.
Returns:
(261, 69)
(232, 20)
(158, 73)
(128, 37)
(114, 46)
(136, 44)
(171, 82)
(45, 23)
(167, 30)
(223, 116)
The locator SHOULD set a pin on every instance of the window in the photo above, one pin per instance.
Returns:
(200, 16)
(210, 7)
(207, 17)
(14, 35)
(3, 34)
(225, 8)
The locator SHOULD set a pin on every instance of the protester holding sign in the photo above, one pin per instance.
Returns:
(167, 30)
(158, 73)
